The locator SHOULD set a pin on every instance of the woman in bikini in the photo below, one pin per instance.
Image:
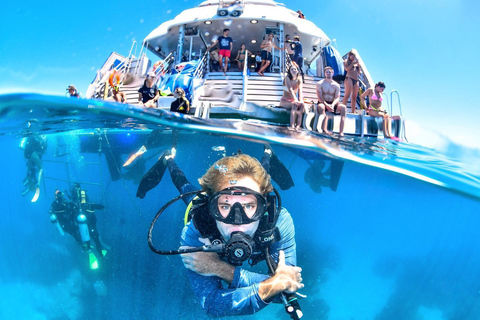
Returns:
(375, 107)
(242, 55)
(351, 79)
(292, 98)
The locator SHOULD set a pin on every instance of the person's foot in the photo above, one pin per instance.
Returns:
(169, 154)
(341, 134)
(291, 128)
(298, 128)
(267, 149)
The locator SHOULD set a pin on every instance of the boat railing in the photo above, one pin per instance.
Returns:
(164, 66)
(398, 100)
(201, 69)
(245, 74)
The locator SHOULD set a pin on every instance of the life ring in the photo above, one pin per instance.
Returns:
(114, 75)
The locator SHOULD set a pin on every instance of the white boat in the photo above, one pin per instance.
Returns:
(241, 94)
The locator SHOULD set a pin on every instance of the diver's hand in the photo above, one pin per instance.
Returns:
(286, 278)
(207, 263)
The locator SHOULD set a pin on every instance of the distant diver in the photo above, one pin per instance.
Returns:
(34, 148)
(77, 218)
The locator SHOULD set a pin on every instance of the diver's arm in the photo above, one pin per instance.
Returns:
(237, 299)
(219, 302)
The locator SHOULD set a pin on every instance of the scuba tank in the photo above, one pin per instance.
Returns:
(54, 220)
(82, 219)
(83, 227)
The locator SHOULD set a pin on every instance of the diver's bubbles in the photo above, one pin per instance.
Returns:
(228, 22)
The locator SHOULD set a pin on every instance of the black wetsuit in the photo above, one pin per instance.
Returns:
(180, 105)
(67, 213)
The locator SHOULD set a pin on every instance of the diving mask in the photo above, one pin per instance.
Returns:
(237, 205)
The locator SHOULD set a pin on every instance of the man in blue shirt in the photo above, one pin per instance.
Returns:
(226, 46)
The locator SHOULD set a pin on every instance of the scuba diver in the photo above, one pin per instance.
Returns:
(234, 218)
(34, 148)
(77, 218)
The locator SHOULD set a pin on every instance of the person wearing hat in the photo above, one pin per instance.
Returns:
(148, 94)
(72, 91)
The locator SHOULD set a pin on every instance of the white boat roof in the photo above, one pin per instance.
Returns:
(268, 13)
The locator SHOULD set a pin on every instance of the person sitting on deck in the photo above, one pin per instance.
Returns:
(118, 96)
(148, 94)
(180, 104)
(375, 107)
(328, 94)
(292, 98)
(214, 60)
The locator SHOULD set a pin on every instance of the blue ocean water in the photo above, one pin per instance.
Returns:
(384, 229)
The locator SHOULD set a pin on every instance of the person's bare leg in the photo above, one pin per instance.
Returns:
(265, 66)
(387, 126)
(348, 90)
(292, 117)
(220, 62)
(325, 124)
(343, 112)
(320, 118)
(354, 97)
(225, 66)
(299, 116)
(261, 66)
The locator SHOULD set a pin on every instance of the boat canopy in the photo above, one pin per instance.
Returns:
(249, 21)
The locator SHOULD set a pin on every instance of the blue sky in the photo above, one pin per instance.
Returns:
(425, 49)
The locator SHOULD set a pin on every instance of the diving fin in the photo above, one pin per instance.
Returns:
(280, 173)
(335, 172)
(152, 178)
(36, 195)
(92, 259)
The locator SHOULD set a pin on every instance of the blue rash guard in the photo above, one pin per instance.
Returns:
(241, 296)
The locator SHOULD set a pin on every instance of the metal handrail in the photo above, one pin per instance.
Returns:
(245, 78)
(166, 63)
(201, 67)
(399, 103)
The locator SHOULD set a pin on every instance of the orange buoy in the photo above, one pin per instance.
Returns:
(115, 75)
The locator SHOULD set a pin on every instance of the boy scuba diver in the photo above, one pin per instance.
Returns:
(235, 218)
